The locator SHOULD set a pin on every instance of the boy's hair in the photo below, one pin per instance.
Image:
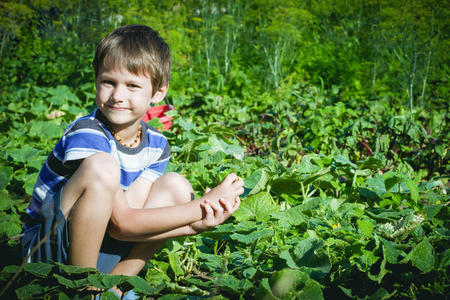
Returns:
(139, 49)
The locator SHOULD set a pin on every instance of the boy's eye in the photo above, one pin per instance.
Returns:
(133, 86)
(107, 82)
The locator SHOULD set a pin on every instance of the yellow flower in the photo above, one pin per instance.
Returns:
(336, 226)
(438, 202)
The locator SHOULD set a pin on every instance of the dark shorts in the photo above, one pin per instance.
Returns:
(47, 238)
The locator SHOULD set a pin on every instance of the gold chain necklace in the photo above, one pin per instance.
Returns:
(136, 140)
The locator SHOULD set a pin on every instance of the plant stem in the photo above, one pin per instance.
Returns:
(427, 69)
(413, 66)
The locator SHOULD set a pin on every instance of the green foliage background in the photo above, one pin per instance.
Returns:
(334, 112)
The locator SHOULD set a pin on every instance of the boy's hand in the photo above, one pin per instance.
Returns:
(229, 189)
(215, 214)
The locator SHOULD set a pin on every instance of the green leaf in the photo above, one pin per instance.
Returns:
(440, 149)
(108, 295)
(69, 269)
(105, 281)
(26, 154)
(64, 296)
(320, 266)
(432, 210)
(257, 181)
(230, 149)
(376, 184)
(340, 159)
(444, 259)
(38, 269)
(311, 290)
(157, 272)
(372, 163)
(422, 256)
(156, 123)
(175, 288)
(285, 281)
(232, 284)
(381, 293)
(62, 94)
(293, 216)
(316, 125)
(212, 262)
(249, 272)
(347, 292)
(29, 180)
(304, 250)
(366, 260)
(112, 280)
(286, 184)
(45, 129)
(140, 285)
(30, 290)
(173, 297)
(5, 176)
(306, 167)
(187, 126)
(257, 207)
(288, 258)
(392, 181)
(175, 263)
(253, 236)
(366, 227)
(313, 177)
(390, 251)
(64, 281)
(264, 291)
(413, 189)
(383, 271)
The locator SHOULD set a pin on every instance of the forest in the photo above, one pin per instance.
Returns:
(334, 112)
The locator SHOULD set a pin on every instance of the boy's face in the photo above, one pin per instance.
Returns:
(124, 97)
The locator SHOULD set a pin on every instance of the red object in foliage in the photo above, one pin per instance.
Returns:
(159, 112)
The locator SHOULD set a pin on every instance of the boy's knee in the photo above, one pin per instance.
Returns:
(102, 168)
(179, 186)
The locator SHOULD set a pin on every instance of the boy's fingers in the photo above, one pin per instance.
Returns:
(226, 204)
(209, 213)
(240, 191)
(238, 184)
(230, 178)
(217, 208)
(237, 203)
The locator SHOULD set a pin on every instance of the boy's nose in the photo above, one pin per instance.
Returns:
(119, 93)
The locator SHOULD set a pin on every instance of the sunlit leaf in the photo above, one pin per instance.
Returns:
(257, 181)
(257, 207)
(175, 263)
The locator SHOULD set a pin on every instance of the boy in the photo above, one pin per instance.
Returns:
(101, 199)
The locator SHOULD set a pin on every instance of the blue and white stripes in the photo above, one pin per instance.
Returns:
(87, 136)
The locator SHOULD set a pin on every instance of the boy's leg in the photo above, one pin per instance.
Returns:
(169, 190)
(87, 203)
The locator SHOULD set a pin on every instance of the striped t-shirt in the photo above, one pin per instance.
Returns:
(89, 135)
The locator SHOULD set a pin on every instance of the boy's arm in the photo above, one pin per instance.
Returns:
(214, 214)
(134, 223)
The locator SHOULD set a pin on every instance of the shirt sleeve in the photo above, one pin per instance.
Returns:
(83, 139)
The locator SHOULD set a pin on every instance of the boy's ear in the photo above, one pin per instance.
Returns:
(160, 94)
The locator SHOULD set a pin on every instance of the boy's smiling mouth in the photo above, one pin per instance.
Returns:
(117, 108)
